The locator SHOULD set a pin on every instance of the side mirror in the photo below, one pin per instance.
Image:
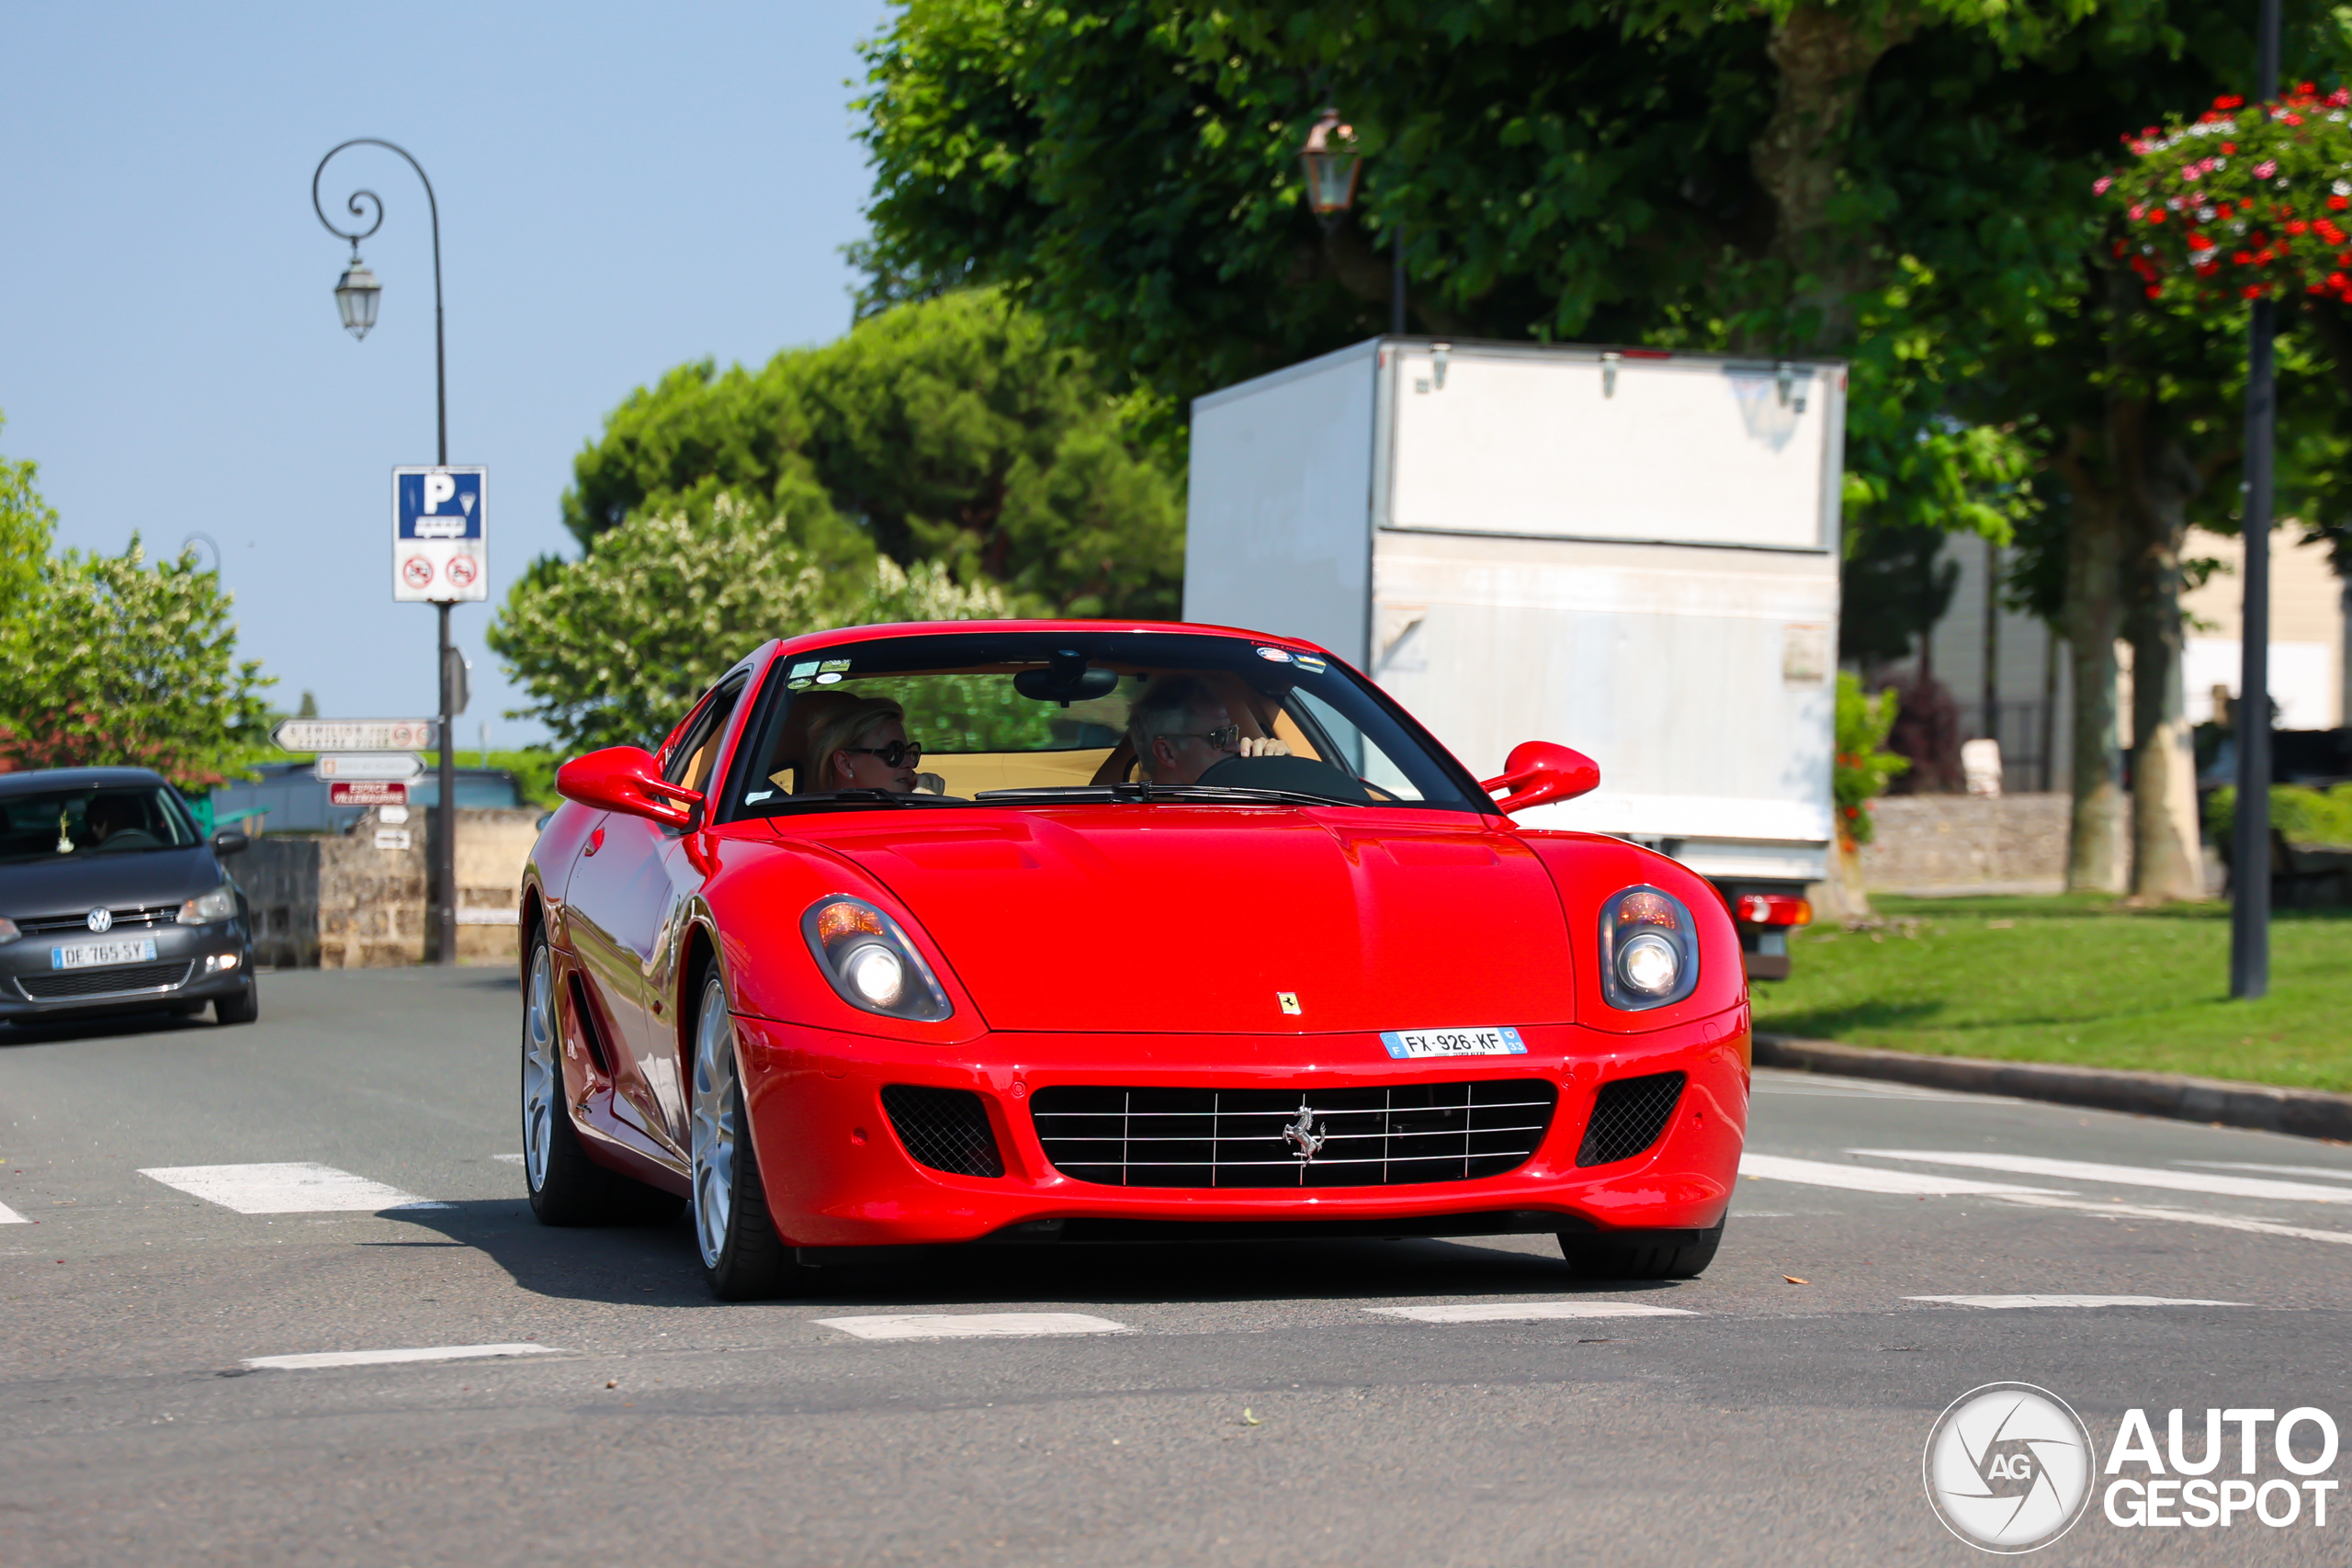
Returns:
(1537, 773)
(626, 779)
(230, 841)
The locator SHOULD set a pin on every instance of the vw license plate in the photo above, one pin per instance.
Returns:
(1404, 1044)
(92, 954)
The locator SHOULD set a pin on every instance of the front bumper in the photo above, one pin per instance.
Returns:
(837, 1175)
(184, 971)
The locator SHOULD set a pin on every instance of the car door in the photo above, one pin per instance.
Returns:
(625, 902)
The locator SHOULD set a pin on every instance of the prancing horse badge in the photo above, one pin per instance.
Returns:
(1289, 1001)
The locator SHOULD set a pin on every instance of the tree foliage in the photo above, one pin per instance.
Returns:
(949, 429)
(615, 647)
(121, 663)
(27, 524)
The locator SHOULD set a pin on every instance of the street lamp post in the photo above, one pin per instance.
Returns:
(1333, 166)
(356, 297)
(2250, 834)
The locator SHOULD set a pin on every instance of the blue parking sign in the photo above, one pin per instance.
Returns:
(440, 537)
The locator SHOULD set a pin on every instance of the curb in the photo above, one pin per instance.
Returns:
(2301, 1113)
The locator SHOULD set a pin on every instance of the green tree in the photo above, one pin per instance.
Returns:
(613, 647)
(949, 429)
(26, 525)
(127, 664)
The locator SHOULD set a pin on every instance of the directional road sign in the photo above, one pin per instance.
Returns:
(401, 765)
(440, 551)
(367, 792)
(355, 734)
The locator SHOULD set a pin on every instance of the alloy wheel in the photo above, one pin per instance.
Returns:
(542, 1075)
(715, 1126)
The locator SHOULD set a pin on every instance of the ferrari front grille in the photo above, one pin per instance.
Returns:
(945, 1129)
(1628, 1116)
(1294, 1138)
(130, 980)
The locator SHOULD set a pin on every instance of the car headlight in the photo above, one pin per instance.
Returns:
(217, 905)
(8, 931)
(869, 960)
(1649, 950)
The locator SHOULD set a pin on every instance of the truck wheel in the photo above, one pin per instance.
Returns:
(1598, 1257)
(567, 1188)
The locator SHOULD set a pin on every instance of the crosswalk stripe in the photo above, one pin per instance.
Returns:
(10, 1217)
(969, 1325)
(2331, 1172)
(2012, 1301)
(2118, 1211)
(2122, 1175)
(297, 1187)
(1500, 1311)
(1865, 1179)
(388, 1358)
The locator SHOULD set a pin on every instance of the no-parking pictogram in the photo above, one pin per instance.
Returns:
(417, 573)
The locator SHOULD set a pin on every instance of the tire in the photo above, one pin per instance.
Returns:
(1658, 1254)
(242, 1008)
(567, 1188)
(742, 1258)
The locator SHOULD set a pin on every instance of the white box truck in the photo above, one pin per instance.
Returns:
(1630, 552)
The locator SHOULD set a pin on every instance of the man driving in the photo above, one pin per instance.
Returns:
(1181, 729)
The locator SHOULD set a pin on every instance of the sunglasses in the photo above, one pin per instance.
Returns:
(1223, 737)
(896, 754)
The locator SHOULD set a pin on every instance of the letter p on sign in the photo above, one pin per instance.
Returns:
(439, 488)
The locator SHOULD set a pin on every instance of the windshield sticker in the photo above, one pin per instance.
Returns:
(834, 666)
(800, 684)
(830, 678)
(1309, 663)
(757, 795)
(806, 667)
(1274, 655)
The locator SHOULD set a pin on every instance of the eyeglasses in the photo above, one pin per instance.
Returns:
(1223, 737)
(896, 754)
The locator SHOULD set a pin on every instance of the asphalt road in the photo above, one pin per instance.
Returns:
(1261, 1404)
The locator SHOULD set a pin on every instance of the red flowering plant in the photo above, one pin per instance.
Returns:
(2247, 200)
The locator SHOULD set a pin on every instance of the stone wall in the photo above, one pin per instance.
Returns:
(1951, 843)
(356, 901)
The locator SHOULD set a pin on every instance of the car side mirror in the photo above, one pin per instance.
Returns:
(230, 841)
(1538, 773)
(626, 779)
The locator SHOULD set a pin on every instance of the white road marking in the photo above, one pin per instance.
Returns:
(2333, 1173)
(10, 1217)
(1864, 1178)
(969, 1326)
(299, 1187)
(2115, 1210)
(2005, 1302)
(510, 1160)
(1498, 1312)
(2123, 1174)
(386, 1358)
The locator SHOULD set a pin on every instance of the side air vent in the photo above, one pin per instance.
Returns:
(945, 1129)
(585, 1012)
(1628, 1116)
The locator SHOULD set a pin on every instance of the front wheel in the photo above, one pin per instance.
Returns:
(1655, 1255)
(242, 1007)
(742, 1258)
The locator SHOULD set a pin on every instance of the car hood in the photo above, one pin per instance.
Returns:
(49, 888)
(1196, 919)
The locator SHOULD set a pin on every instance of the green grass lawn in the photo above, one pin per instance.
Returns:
(2078, 979)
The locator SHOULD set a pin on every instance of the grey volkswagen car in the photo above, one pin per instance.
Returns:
(112, 901)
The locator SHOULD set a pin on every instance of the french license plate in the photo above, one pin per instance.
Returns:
(1407, 1043)
(92, 954)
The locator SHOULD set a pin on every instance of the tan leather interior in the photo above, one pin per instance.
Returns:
(969, 772)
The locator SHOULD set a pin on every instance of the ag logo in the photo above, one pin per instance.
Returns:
(2009, 1467)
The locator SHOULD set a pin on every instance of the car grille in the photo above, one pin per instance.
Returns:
(1309, 1137)
(1628, 1116)
(945, 1129)
(105, 982)
(136, 918)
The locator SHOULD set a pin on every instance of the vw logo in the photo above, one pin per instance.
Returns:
(2009, 1467)
(101, 920)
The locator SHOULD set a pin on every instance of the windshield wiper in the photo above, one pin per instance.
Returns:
(1147, 793)
(882, 797)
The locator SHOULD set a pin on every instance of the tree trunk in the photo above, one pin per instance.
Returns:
(2158, 484)
(2093, 618)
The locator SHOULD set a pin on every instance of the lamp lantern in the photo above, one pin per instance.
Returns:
(1332, 165)
(355, 295)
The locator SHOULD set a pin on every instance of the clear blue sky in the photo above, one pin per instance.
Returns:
(621, 190)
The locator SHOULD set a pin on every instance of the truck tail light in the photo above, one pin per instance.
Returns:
(1774, 910)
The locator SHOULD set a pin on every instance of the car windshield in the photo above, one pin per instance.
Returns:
(109, 820)
(1082, 716)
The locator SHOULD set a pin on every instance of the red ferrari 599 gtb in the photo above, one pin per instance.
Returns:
(1060, 932)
